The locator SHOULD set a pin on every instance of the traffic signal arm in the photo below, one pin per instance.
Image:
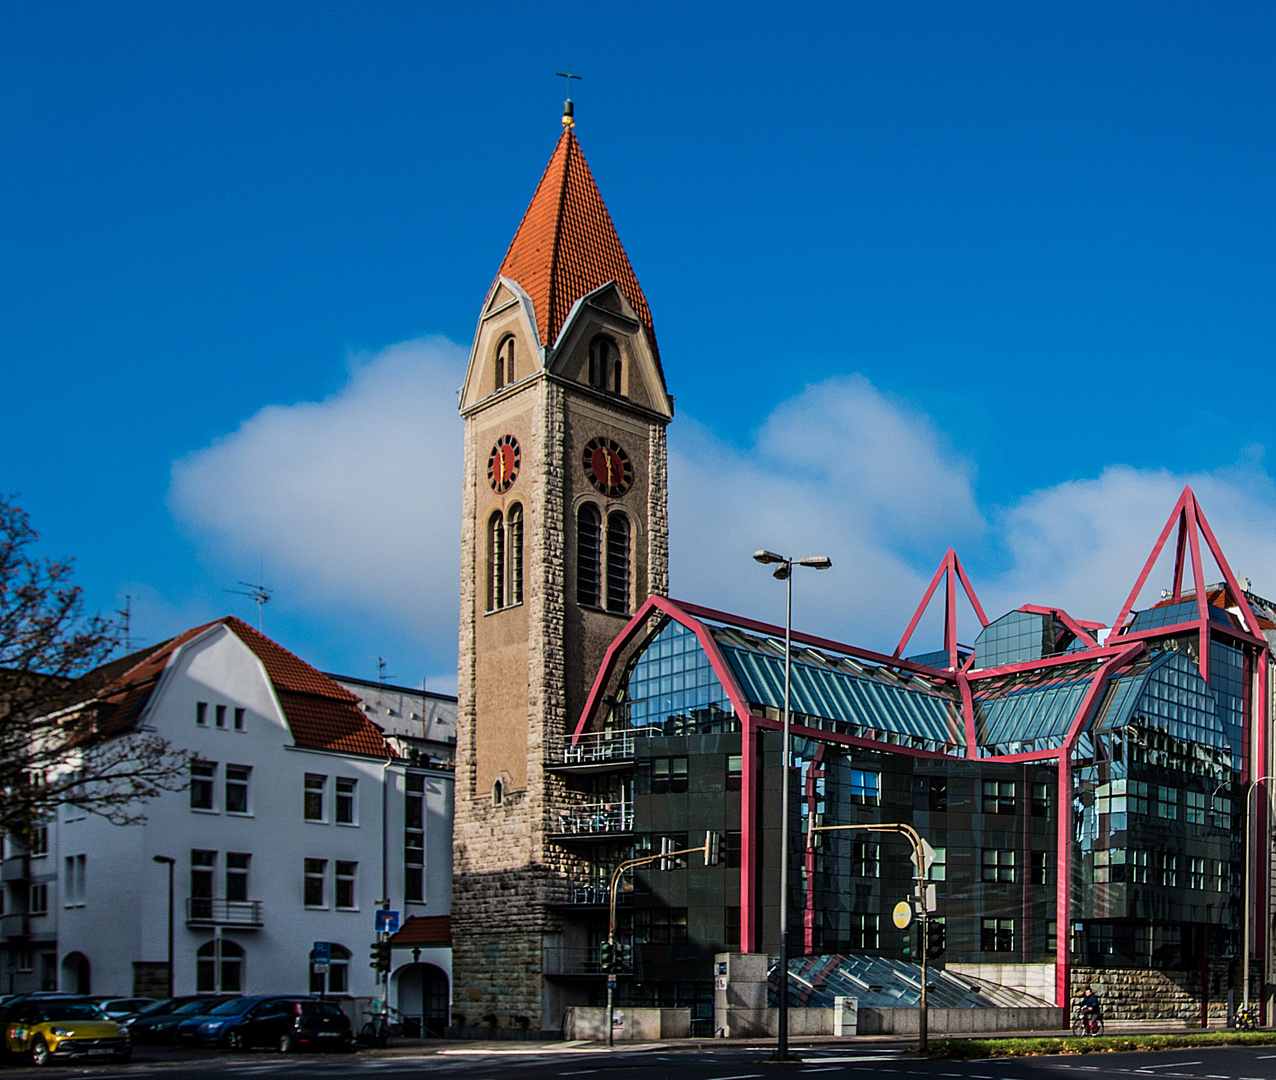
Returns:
(646, 860)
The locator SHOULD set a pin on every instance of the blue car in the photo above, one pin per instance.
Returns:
(212, 1027)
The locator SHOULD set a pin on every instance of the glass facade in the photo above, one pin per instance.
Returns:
(672, 685)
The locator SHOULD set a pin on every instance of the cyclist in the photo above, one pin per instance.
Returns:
(1091, 1010)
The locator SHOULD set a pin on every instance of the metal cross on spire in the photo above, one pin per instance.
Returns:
(568, 110)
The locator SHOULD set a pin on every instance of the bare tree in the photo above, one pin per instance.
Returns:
(60, 741)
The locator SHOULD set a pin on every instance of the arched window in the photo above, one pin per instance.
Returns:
(514, 552)
(617, 562)
(498, 792)
(505, 363)
(588, 555)
(338, 977)
(604, 364)
(495, 562)
(226, 976)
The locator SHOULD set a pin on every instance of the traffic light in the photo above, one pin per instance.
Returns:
(607, 955)
(935, 942)
(380, 957)
(712, 848)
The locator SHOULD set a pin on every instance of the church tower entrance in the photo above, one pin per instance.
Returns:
(564, 535)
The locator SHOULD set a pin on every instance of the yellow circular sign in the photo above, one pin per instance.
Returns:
(903, 914)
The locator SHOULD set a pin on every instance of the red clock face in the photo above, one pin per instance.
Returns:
(502, 463)
(608, 466)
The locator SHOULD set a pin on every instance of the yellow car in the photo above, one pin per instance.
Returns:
(64, 1029)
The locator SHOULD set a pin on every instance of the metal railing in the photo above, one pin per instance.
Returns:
(572, 961)
(589, 894)
(207, 911)
(593, 748)
(592, 819)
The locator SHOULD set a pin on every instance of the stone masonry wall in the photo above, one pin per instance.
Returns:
(1147, 994)
(658, 513)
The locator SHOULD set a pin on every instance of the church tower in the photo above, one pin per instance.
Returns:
(564, 534)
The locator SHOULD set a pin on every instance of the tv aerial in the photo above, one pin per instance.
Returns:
(259, 594)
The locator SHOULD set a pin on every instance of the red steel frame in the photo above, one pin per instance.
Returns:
(1120, 649)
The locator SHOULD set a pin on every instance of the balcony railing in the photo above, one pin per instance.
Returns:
(15, 868)
(589, 894)
(573, 962)
(593, 748)
(206, 911)
(14, 926)
(592, 819)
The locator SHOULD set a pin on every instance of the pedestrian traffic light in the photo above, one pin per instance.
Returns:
(607, 955)
(380, 957)
(712, 848)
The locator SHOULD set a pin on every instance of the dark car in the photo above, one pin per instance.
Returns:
(158, 1024)
(121, 1009)
(210, 1028)
(293, 1024)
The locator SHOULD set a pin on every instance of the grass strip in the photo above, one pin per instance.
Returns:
(1103, 1044)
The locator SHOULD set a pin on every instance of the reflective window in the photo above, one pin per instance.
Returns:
(672, 683)
(588, 556)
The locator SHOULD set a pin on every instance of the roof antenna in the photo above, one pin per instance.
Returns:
(569, 120)
(126, 613)
(259, 593)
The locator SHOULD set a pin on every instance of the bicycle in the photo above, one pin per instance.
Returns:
(1246, 1018)
(1087, 1023)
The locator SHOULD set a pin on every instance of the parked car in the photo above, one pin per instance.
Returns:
(211, 1028)
(158, 1024)
(292, 1024)
(121, 1009)
(58, 1029)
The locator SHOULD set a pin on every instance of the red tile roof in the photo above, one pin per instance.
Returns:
(321, 713)
(423, 931)
(567, 246)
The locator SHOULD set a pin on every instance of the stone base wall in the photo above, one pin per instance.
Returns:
(497, 979)
(1145, 994)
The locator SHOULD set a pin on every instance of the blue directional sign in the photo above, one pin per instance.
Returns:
(387, 922)
(321, 953)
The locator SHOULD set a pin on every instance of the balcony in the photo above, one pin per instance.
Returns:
(206, 911)
(575, 962)
(591, 822)
(601, 751)
(15, 868)
(14, 926)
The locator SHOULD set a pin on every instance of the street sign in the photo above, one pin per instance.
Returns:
(903, 914)
(321, 954)
(387, 922)
(928, 857)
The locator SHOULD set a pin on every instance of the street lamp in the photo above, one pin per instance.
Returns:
(169, 862)
(784, 572)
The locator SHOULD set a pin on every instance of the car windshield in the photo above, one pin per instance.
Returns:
(204, 1006)
(321, 1008)
(233, 1007)
(70, 1010)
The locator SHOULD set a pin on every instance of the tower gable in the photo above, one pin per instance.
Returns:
(508, 313)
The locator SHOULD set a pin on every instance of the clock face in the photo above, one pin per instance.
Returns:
(608, 466)
(502, 464)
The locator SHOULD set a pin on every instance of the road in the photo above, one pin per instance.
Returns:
(825, 1062)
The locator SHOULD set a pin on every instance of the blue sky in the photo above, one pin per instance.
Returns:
(996, 275)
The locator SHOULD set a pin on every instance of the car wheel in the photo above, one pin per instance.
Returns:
(40, 1053)
(287, 1044)
(235, 1040)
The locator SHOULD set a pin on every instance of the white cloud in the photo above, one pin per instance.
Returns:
(354, 499)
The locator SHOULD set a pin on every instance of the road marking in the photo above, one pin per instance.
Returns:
(831, 1068)
(741, 1076)
(1171, 1065)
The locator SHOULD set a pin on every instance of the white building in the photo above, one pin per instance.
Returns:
(299, 820)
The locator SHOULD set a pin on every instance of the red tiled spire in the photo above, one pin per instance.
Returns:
(566, 245)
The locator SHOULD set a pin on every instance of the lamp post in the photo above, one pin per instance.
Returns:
(1249, 893)
(169, 862)
(784, 572)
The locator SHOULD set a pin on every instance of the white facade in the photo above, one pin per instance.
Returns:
(315, 867)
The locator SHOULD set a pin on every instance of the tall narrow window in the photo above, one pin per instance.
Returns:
(414, 839)
(312, 796)
(237, 788)
(203, 776)
(617, 562)
(237, 875)
(505, 363)
(615, 374)
(316, 871)
(201, 901)
(602, 356)
(514, 540)
(588, 555)
(345, 800)
(345, 884)
(495, 562)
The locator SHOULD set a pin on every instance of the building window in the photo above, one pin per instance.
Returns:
(588, 555)
(1138, 796)
(866, 787)
(618, 562)
(939, 866)
(201, 713)
(864, 859)
(345, 884)
(731, 928)
(1223, 877)
(514, 536)
(734, 845)
(237, 788)
(735, 771)
(999, 796)
(997, 935)
(1040, 800)
(39, 899)
(504, 363)
(237, 875)
(239, 719)
(1195, 801)
(73, 880)
(863, 931)
(39, 841)
(221, 715)
(230, 969)
(414, 839)
(1167, 802)
(201, 901)
(1039, 867)
(203, 776)
(604, 365)
(313, 800)
(1138, 870)
(668, 776)
(999, 864)
(1222, 812)
(930, 793)
(345, 800)
(338, 978)
(661, 926)
(1196, 873)
(1169, 871)
(495, 562)
(316, 871)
